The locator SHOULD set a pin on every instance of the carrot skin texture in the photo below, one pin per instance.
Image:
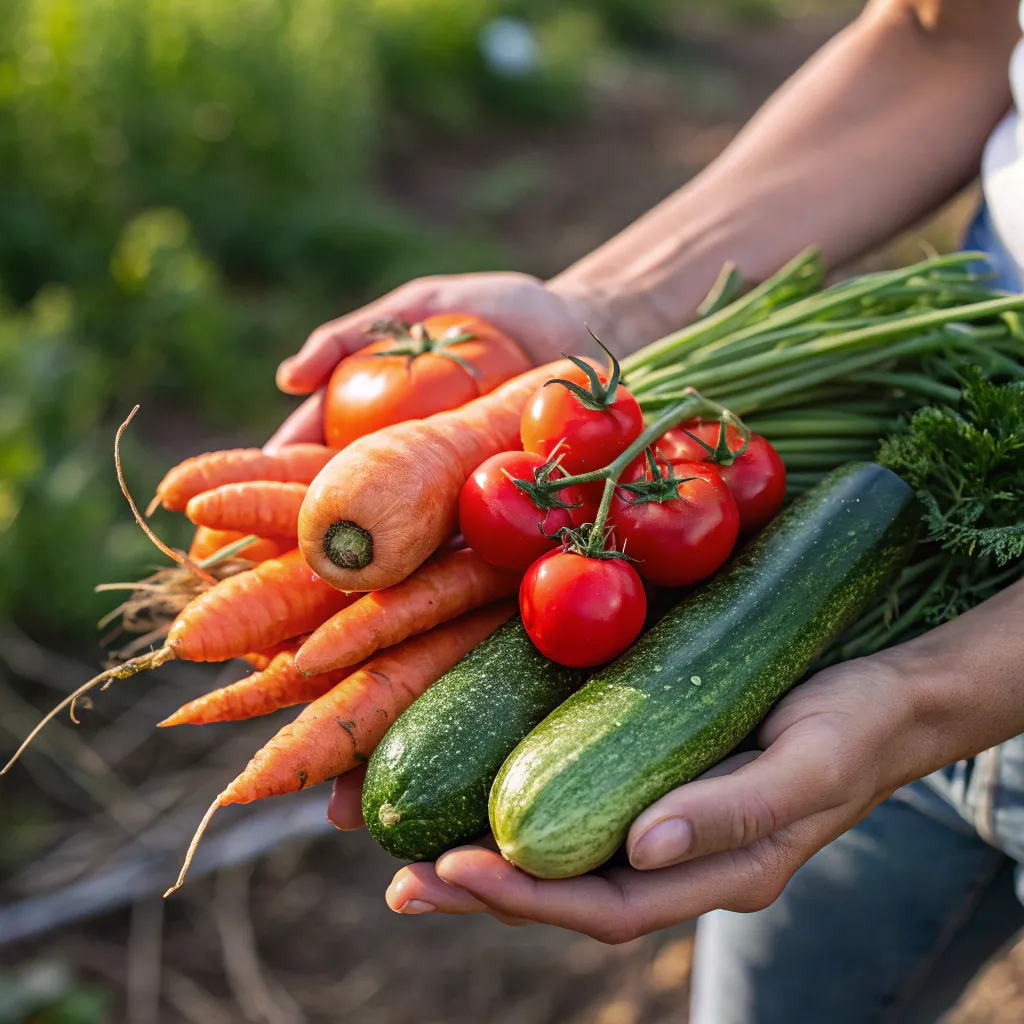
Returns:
(341, 729)
(443, 588)
(401, 484)
(294, 463)
(267, 508)
(207, 542)
(279, 685)
(274, 601)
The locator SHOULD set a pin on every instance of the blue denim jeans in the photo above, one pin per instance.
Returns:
(891, 921)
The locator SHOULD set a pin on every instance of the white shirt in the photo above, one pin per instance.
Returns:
(1002, 166)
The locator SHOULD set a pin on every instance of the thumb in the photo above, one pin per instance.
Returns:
(790, 781)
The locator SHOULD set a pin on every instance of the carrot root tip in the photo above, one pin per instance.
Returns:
(194, 845)
(152, 660)
(347, 545)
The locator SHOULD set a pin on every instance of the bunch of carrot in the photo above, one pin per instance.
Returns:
(356, 661)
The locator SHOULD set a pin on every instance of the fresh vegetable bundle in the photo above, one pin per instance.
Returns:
(337, 572)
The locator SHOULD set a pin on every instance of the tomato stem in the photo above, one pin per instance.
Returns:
(597, 396)
(694, 404)
(413, 340)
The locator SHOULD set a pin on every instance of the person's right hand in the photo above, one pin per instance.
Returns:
(545, 319)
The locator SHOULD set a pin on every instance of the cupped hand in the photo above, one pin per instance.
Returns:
(832, 750)
(546, 320)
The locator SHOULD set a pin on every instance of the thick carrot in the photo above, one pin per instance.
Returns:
(294, 463)
(274, 601)
(341, 729)
(207, 542)
(442, 588)
(267, 508)
(385, 503)
(280, 685)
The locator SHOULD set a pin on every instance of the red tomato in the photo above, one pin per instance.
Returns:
(501, 522)
(582, 611)
(757, 478)
(682, 540)
(368, 391)
(589, 498)
(593, 437)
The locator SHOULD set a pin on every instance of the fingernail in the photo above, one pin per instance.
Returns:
(664, 843)
(416, 907)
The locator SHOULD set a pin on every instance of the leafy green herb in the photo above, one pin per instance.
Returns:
(967, 466)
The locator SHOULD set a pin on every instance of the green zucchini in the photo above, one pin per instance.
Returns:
(427, 782)
(691, 689)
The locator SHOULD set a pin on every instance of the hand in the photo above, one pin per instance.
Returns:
(833, 749)
(545, 319)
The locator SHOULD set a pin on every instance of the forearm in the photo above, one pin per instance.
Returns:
(965, 682)
(883, 124)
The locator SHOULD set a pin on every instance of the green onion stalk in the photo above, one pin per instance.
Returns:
(903, 357)
(826, 373)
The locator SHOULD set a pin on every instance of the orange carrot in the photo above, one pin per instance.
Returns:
(341, 729)
(280, 685)
(294, 463)
(275, 600)
(266, 508)
(208, 542)
(385, 503)
(261, 659)
(442, 588)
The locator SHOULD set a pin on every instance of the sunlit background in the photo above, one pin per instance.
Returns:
(187, 188)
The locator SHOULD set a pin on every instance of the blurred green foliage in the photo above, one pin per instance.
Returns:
(47, 992)
(186, 188)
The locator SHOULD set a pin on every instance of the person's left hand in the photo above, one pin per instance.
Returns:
(833, 749)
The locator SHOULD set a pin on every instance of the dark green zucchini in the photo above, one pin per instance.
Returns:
(427, 782)
(693, 687)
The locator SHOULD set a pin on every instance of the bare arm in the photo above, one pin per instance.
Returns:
(882, 125)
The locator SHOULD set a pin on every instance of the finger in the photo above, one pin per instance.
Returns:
(331, 342)
(416, 889)
(306, 423)
(797, 777)
(345, 808)
(730, 764)
(583, 904)
(621, 904)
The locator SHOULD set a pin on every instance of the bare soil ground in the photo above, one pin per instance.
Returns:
(305, 935)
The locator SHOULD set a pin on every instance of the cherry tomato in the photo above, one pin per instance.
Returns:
(501, 522)
(582, 611)
(757, 478)
(593, 437)
(681, 540)
(589, 498)
(370, 390)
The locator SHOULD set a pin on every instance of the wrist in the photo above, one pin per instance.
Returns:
(930, 726)
(624, 319)
(649, 280)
